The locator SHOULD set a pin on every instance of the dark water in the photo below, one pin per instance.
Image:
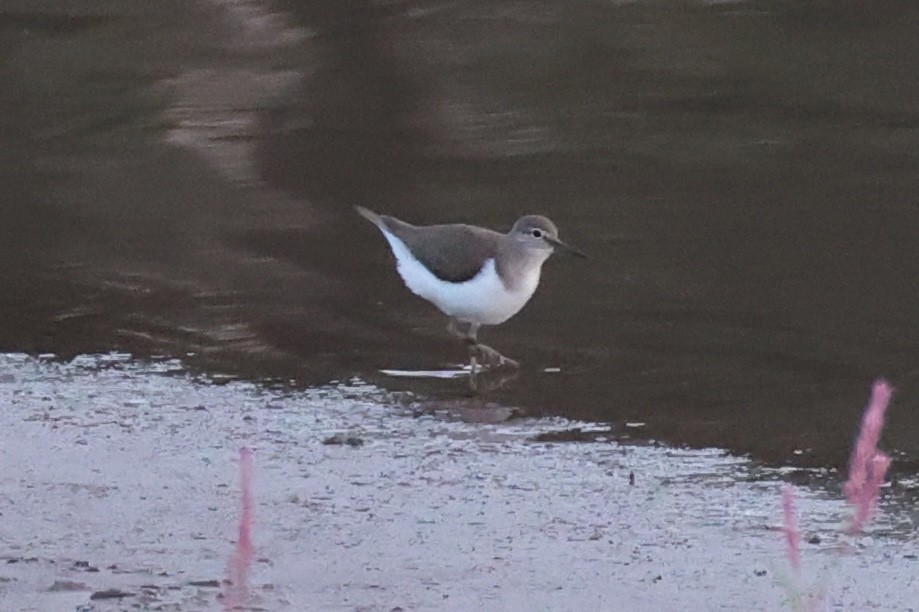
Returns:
(179, 179)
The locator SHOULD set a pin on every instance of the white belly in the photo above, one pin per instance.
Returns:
(482, 299)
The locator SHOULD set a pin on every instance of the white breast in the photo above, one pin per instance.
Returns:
(483, 299)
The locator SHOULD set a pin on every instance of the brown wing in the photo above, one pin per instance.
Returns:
(453, 253)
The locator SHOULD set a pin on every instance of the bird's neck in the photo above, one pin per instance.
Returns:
(519, 270)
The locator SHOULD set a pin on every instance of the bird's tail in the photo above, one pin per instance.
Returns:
(370, 216)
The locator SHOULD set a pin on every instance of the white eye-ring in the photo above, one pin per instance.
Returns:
(537, 233)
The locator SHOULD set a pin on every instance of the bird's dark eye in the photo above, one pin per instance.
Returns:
(537, 233)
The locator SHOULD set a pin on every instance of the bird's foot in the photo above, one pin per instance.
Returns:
(491, 356)
(494, 375)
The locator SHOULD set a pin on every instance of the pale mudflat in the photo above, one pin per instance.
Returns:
(123, 476)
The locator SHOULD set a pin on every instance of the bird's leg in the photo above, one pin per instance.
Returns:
(469, 337)
(474, 333)
(473, 379)
(455, 331)
(473, 344)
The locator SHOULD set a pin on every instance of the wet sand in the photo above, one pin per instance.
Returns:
(121, 476)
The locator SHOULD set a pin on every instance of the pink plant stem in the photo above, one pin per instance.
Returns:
(792, 534)
(868, 466)
(238, 567)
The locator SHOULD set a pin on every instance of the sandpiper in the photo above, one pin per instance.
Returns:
(475, 276)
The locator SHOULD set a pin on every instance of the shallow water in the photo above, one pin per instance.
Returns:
(179, 181)
(121, 475)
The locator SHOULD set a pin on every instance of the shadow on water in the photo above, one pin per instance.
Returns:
(180, 180)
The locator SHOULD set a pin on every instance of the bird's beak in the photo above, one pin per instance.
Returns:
(559, 244)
